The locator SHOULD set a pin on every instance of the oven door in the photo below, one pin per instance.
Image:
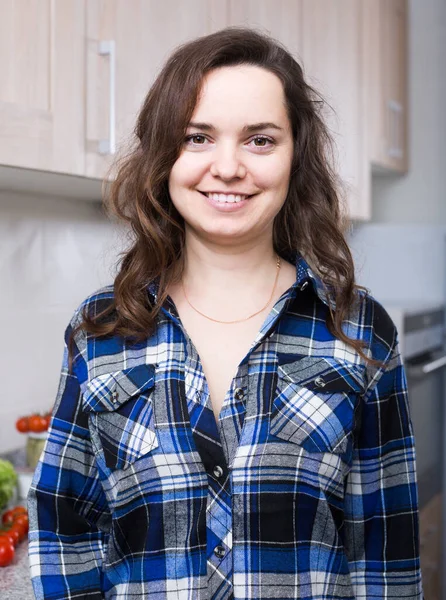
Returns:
(425, 380)
(426, 386)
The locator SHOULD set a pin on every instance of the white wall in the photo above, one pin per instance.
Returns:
(53, 253)
(401, 264)
(420, 196)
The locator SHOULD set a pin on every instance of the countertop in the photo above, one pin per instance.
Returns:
(15, 580)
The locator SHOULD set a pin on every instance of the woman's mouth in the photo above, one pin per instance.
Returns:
(226, 202)
(226, 198)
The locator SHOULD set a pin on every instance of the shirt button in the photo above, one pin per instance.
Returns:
(218, 471)
(303, 285)
(319, 382)
(115, 397)
(219, 551)
(198, 396)
(239, 394)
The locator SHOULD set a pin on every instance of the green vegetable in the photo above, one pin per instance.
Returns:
(8, 482)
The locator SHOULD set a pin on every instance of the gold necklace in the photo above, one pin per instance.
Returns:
(238, 320)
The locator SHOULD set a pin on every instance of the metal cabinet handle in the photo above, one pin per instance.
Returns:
(395, 121)
(426, 368)
(108, 146)
(435, 365)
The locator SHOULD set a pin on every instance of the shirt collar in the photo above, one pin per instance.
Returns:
(303, 273)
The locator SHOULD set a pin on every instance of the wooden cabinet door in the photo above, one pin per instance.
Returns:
(375, 95)
(279, 18)
(385, 51)
(332, 38)
(42, 81)
(394, 69)
(137, 36)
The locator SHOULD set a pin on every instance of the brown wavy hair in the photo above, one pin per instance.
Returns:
(311, 219)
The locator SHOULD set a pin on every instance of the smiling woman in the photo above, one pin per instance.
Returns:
(227, 161)
(232, 419)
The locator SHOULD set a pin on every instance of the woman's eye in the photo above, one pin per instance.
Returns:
(194, 137)
(262, 139)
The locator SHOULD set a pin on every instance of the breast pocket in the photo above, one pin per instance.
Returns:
(315, 404)
(122, 414)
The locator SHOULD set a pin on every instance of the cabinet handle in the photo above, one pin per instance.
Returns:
(108, 48)
(395, 119)
(426, 368)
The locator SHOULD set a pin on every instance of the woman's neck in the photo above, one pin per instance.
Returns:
(225, 272)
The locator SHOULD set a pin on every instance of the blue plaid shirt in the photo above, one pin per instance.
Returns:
(304, 488)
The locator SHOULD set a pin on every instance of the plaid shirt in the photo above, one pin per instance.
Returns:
(305, 488)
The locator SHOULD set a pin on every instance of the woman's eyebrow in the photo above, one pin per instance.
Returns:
(246, 128)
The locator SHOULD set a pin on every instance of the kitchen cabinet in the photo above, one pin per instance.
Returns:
(75, 74)
(127, 43)
(333, 65)
(385, 49)
(279, 18)
(42, 78)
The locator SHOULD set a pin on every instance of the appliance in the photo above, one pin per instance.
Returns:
(422, 343)
(422, 332)
(404, 267)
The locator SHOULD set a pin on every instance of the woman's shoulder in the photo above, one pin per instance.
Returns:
(93, 304)
(376, 326)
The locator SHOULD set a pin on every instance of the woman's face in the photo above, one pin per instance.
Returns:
(239, 141)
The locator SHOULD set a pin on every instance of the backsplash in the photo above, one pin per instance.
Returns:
(401, 263)
(53, 253)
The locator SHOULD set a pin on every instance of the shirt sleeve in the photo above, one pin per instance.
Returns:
(69, 517)
(381, 534)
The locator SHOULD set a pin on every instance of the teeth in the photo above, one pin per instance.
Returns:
(226, 197)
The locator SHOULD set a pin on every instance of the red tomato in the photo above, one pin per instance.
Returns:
(8, 517)
(19, 510)
(6, 552)
(22, 425)
(4, 534)
(15, 534)
(37, 423)
(20, 529)
(47, 418)
(22, 522)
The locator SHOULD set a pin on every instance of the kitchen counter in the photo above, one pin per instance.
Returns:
(15, 580)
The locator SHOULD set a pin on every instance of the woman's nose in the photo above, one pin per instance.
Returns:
(227, 163)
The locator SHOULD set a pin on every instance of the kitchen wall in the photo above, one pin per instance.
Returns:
(420, 196)
(53, 253)
(402, 264)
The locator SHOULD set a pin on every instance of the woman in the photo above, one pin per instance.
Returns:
(232, 419)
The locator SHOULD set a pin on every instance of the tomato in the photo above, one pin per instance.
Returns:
(37, 423)
(15, 534)
(4, 534)
(6, 552)
(19, 510)
(8, 517)
(47, 418)
(11, 515)
(22, 425)
(22, 522)
(20, 530)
